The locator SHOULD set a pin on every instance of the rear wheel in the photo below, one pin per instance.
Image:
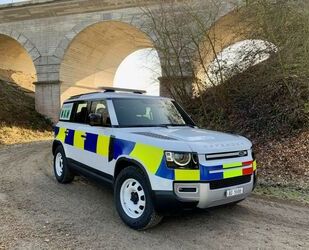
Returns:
(133, 199)
(61, 170)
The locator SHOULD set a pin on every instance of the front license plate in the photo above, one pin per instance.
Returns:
(235, 191)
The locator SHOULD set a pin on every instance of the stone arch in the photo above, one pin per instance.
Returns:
(227, 30)
(91, 53)
(227, 33)
(133, 19)
(24, 41)
(18, 55)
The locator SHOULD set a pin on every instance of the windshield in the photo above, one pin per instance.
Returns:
(149, 112)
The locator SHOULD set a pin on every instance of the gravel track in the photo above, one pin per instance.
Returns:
(38, 213)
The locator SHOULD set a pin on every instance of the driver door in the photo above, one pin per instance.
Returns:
(98, 138)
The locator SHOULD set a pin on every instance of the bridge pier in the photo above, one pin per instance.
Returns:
(47, 99)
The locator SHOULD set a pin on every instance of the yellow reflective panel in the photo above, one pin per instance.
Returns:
(79, 141)
(232, 165)
(187, 175)
(232, 173)
(61, 134)
(254, 165)
(103, 145)
(149, 156)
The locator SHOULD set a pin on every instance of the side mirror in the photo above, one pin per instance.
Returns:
(95, 119)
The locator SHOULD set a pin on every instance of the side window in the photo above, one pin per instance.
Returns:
(100, 107)
(81, 112)
(66, 112)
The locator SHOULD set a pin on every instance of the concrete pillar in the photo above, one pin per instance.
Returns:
(47, 99)
(168, 85)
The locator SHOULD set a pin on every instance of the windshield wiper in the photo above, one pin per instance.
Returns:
(179, 125)
(157, 125)
(144, 126)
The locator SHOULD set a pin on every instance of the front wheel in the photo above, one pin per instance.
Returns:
(133, 199)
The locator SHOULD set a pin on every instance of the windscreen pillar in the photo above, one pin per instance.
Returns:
(47, 99)
(170, 86)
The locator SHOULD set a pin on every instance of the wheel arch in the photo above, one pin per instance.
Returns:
(56, 144)
(124, 162)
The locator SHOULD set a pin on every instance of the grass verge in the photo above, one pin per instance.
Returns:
(283, 192)
(19, 121)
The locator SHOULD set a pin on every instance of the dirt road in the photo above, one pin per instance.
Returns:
(38, 213)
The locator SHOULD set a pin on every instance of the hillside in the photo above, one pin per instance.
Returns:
(19, 122)
(258, 105)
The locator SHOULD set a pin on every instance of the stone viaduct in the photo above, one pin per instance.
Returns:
(71, 46)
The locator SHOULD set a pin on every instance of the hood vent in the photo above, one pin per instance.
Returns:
(153, 135)
(227, 155)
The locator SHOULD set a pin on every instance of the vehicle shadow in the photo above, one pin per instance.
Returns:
(194, 219)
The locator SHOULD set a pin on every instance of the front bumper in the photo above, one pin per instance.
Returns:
(207, 197)
(190, 195)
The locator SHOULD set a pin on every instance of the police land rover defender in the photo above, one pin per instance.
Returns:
(151, 152)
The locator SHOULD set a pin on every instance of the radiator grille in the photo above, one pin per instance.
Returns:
(226, 155)
(230, 182)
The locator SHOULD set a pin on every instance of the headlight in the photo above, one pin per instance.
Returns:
(182, 160)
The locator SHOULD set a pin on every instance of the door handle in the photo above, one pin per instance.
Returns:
(83, 136)
(66, 132)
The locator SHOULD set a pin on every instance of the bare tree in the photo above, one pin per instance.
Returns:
(182, 41)
(285, 24)
(188, 37)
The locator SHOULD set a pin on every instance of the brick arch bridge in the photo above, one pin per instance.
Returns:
(75, 45)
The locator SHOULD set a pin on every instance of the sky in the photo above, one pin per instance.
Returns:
(140, 70)
(11, 1)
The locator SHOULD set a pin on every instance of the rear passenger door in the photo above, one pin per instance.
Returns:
(76, 132)
(88, 146)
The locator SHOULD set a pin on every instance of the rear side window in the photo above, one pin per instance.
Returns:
(80, 112)
(100, 107)
(66, 112)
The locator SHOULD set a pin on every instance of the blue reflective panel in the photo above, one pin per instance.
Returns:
(206, 176)
(56, 131)
(165, 172)
(69, 138)
(122, 147)
(91, 142)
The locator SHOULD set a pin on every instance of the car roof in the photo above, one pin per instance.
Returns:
(112, 95)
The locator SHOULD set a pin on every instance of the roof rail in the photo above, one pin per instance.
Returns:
(111, 89)
(77, 96)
